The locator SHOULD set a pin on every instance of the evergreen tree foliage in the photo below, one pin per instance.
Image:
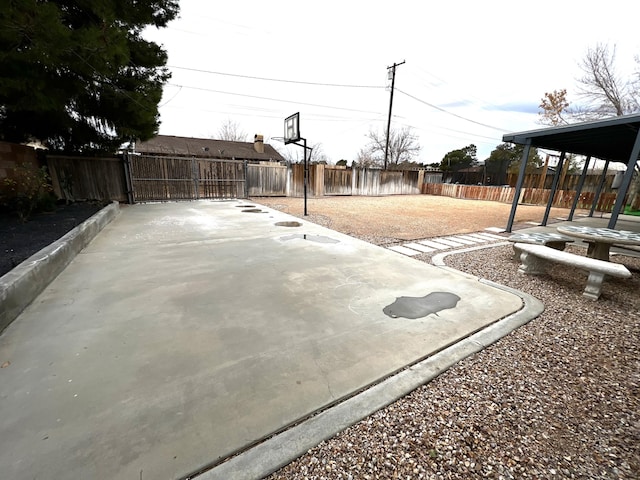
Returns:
(458, 159)
(78, 76)
(507, 157)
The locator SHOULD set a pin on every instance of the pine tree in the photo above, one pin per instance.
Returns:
(79, 76)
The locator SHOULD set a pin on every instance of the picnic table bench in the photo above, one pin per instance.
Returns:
(550, 239)
(535, 259)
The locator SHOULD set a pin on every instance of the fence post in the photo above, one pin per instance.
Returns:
(246, 179)
(126, 165)
(194, 175)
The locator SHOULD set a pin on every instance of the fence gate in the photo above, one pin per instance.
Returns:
(179, 178)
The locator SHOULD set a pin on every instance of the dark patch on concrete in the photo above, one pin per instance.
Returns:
(245, 206)
(253, 210)
(418, 307)
(311, 238)
(288, 224)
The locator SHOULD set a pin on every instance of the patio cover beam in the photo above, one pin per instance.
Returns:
(626, 181)
(583, 176)
(615, 139)
(554, 188)
(516, 194)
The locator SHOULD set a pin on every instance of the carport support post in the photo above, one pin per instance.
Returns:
(554, 188)
(516, 195)
(579, 189)
(626, 181)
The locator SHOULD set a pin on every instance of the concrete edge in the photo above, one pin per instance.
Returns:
(20, 286)
(438, 260)
(282, 449)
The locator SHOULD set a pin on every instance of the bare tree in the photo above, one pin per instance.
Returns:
(403, 145)
(606, 92)
(553, 108)
(232, 132)
(365, 159)
(288, 153)
(294, 153)
(317, 155)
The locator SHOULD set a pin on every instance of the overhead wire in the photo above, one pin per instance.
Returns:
(300, 82)
(246, 95)
(267, 79)
(337, 85)
(174, 96)
(450, 113)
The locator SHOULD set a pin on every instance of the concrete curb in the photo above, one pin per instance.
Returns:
(276, 452)
(438, 260)
(20, 286)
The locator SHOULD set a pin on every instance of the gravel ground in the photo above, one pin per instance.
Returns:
(557, 398)
(392, 219)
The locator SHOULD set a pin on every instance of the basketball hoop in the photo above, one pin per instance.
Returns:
(292, 129)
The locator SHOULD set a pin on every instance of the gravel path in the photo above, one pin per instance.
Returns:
(557, 398)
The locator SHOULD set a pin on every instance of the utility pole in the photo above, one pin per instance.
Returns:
(393, 82)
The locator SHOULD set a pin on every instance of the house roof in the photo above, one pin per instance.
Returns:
(205, 147)
(609, 139)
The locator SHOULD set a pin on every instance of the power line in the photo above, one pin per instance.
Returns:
(451, 113)
(252, 77)
(174, 96)
(272, 99)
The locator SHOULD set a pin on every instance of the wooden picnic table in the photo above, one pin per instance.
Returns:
(600, 240)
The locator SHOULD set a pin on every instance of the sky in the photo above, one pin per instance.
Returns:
(473, 70)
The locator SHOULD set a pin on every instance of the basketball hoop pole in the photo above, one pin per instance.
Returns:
(306, 175)
(306, 169)
(292, 135)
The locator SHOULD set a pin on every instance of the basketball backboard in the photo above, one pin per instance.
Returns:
(292, 128)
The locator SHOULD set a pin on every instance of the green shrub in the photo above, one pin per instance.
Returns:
(28, 189)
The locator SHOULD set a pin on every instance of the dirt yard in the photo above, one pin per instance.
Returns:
(408, 217)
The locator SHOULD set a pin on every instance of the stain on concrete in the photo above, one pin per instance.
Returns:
(418, 307)
(311, 238)
(288, 224)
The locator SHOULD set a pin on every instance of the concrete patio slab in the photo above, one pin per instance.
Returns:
(187, 332)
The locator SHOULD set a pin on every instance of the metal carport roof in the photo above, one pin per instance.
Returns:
(615, 139)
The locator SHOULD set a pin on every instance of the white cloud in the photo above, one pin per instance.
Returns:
(489, 62)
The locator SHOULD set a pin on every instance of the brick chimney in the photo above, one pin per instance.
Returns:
(258, 143)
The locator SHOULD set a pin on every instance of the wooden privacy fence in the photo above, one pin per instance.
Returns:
(338, 181)
(564, 199)
(152, 178)
(534, 196)
(86, 178)
(568, 182)
(326, 180)
(267, 180)
(180, 178)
